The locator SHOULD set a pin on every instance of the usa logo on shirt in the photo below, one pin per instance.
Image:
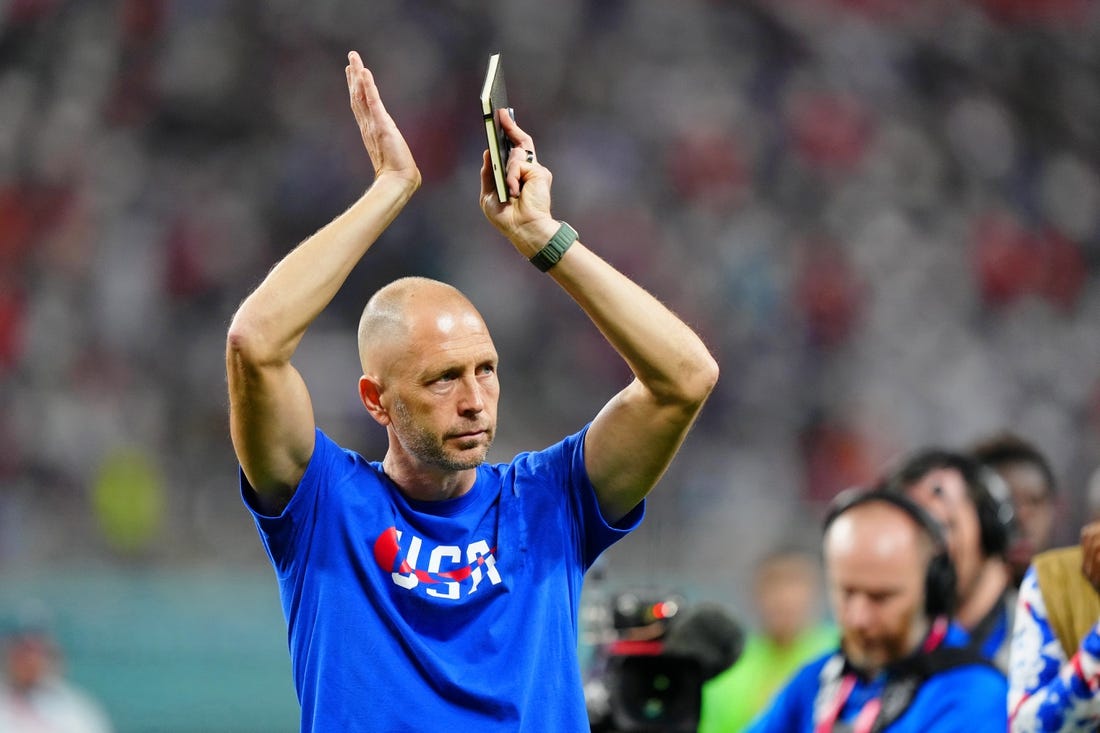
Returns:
(448, 569)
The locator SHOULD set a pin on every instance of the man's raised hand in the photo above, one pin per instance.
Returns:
(389, 153)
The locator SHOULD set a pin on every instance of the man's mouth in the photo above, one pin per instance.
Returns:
(469, 434)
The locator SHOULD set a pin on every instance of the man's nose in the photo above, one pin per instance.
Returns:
(857, 612)
(471, 396)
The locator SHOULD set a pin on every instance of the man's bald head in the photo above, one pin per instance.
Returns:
(398, 311)
(878, 529)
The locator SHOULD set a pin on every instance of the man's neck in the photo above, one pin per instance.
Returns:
(984, 594)
(427, 483)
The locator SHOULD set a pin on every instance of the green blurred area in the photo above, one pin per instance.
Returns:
(170, 651)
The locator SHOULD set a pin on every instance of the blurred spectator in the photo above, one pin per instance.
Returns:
(954, 489)
(1033, 491)
(35, 697)
(902, 664)
(787, 592)
(1054, 681)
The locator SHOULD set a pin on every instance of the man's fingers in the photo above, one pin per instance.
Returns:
(354, 64)
(515, 133)
(360, 80)
(371, 97)
(522, 154)
(514, 168)
(488, 184)
(1090, 533)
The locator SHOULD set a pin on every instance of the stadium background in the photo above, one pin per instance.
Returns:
(881, 214)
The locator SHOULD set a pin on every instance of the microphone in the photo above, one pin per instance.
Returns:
(707, 633)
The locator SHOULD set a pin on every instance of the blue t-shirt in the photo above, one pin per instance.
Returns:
(964, 699)
(456, 615)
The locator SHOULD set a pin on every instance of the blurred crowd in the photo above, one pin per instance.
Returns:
(882, 214)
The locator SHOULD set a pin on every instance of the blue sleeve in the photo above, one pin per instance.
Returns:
(598, 533)
(282, 534)
(562, 466)
(1047, 692)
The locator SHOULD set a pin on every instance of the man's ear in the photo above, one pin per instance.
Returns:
(370, 393)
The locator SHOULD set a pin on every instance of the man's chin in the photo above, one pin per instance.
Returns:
(865, 660)
(473, 444)
(468, 463)
(470, 457)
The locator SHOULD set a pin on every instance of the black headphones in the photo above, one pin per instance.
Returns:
(986, 489)
(939, 579)
(997, 515)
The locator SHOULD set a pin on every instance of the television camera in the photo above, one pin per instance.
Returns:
(653, 652)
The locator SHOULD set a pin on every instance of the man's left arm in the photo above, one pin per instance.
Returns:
(633, 439)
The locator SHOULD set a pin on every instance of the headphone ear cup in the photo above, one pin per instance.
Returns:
(996, 515)
(940, 586)
(994, 534)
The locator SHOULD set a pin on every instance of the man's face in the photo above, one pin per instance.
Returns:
(942, 492)
(786, 587)
(1032, 502)
(876, 559)
(443, 394)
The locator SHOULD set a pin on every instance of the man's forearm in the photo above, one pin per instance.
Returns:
(665, 354)
(304, 282)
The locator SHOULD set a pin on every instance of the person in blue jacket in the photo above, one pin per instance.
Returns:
(430, 590)
(902, 665)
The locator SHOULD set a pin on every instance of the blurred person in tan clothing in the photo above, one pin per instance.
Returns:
(1054, 677)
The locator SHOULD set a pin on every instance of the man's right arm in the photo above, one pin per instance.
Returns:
(270, 414)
